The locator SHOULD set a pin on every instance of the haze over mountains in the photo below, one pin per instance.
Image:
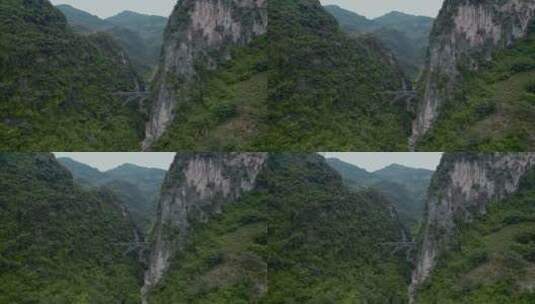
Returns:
(407, 36)
(405, 187)
(137, 187)
(140, 35)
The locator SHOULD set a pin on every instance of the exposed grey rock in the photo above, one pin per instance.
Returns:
(197, 186)
(199, 33)
(462, 188)
(465, 33)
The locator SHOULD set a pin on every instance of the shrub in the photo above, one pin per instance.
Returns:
(485, 109)
(530, 87)
(520, 67)
(225, 111)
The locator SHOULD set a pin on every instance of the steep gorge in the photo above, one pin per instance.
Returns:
(227, 220)
(465, 37)
(462, 191)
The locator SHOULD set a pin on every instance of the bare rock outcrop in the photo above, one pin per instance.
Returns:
(198, 37)
(462, 188)
(465, 33)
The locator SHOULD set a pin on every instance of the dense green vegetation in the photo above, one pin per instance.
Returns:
(494, 107)
(61, 244)
(57, 88)
(225, 260)
(228, 108)
(324, 242)
(326, 90)
(299, 237)
(137, 187)
(405, 187)
(407, 36)
(493, 260)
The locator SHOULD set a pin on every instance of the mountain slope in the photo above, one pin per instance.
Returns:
(323, 241)
(465, 81)
(61, 244)
(405, 187)
(83, 21)
(326, 90)
(463, 191)
(405, 35)
(283, 221)
(141, 36)
(350, 21)
(210, 87)
(58, 89)
(137, 187)
(495, 109)
(207, 242)
(496, 263)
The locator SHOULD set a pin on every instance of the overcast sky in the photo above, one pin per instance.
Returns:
(369, 8)
(108, 8)
(369, 161)
(376, 8)
(375, 161)
(106, 161)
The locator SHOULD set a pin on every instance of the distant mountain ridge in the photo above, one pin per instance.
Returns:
(138, 187)
(404, 34)
(140, 35)
(406, 187)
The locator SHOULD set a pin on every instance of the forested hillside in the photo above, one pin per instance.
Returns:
(59, 243)
(60, 90)
(137, 187)
(328, 91)
(405, 35)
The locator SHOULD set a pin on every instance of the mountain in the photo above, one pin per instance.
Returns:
(138, 187)
(141, 36)
(328, 91)
(324, 244)
(62, 244)
(475, 93)
(405, 187)
(83, 21)
(320, 237)
(60, 90)
(149, 26)
(350, 21)
(405, 35)
(354, 176)
(210, 89)
(475, 246)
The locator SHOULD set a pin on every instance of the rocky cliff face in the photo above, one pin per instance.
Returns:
(462, 188)
(465, 33)
(197, 186)
(198, 37)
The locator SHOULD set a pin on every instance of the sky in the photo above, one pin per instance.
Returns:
(378, 160)
(368, 8)
(369, 161)
(108, 8)
(376, 8)
(105, 161)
